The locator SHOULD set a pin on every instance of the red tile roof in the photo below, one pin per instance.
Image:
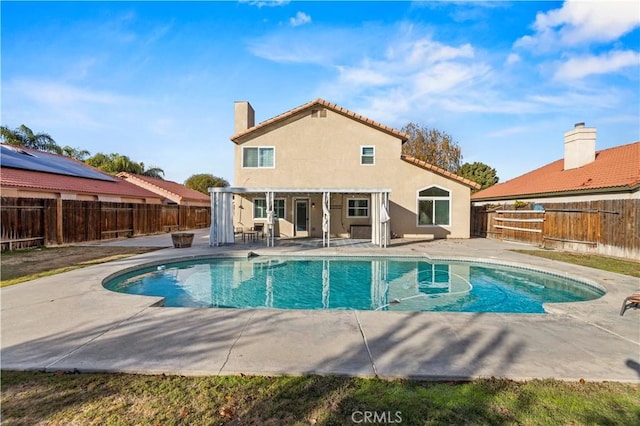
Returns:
(424, 165)
(329, 105)
(173, 189)
(615, 168)
(19, 178)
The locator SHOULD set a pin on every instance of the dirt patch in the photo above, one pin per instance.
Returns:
(22, 263)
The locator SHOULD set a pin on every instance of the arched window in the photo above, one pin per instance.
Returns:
(434, 206)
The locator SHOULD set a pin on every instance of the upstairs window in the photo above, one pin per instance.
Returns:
(258, 157)
(434, 207)
(367, 155)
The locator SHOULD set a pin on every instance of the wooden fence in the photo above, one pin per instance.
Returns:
(608, 227)
(29, 222)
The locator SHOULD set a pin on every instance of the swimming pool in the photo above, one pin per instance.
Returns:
(363, 283)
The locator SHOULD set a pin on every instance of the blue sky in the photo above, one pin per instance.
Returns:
(157, 80)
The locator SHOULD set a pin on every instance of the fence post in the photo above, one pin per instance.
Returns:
(59, 228)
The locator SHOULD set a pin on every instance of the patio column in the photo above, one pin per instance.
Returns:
(375, 218)
(221, 231)
(385, 219)
(270, 219)
(380, 218)
(326, 219)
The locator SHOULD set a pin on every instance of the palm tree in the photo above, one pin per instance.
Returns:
(24, 136)
(77, 153)
(115, 163)
(154, 172)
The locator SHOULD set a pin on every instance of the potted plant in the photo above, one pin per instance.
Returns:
(182, 239)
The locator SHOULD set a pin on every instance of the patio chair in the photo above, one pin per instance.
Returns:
(259, 228)
(632, 301)
(238, 230)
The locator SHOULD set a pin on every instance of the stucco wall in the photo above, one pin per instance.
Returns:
(325, 152)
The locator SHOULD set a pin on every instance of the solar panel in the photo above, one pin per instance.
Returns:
(38, 161)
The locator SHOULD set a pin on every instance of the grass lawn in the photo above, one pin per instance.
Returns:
(55, 398)
(621, 266)
(24, 265)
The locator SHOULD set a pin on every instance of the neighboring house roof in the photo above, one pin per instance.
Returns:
(281, 117)
(20, 178)
(614, 169)
(424, 165)
(174, 191)
(37, 170)
(18, 157)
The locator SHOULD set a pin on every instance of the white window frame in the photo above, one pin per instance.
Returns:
(284, 208)
(432, 198)
(273, 148)
(349, 200)
(372, 156)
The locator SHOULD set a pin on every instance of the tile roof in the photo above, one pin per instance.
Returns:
(614, 168)
(166, 188)
(424, 165)
(278, 118)
(20, 178)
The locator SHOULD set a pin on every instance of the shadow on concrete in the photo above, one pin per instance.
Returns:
(634, 365)
(201, 341)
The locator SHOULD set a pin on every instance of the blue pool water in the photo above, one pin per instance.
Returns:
(390, 284)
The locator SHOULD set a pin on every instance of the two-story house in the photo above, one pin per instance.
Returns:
(320, 170)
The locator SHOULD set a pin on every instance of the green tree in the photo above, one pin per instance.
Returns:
(115, 163)
(154, 172)
(433, 146)
(479, 173)
(201, 182)
(77, 153)
(24, 136)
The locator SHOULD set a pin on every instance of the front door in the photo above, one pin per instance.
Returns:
(302, 218)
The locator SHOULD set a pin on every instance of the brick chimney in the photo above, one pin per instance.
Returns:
(244, 116)
(579, 146)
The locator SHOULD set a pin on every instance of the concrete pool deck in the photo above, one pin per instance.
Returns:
(69, 321)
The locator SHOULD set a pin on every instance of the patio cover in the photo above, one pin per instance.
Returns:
(222, 212)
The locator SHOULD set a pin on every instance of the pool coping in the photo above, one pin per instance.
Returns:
(83, 326)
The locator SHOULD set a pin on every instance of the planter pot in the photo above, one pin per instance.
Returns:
(182, 239)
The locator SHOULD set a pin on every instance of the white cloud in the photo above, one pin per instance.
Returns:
(362, 76)
(427, 51)
(60, 94)
(305, 45)
(512, 59)
(582, 22)
(410, 71)
(583, 66)
(394, 79)
(509, 131)
(266, 3)
(301, 18)
(53, 101)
